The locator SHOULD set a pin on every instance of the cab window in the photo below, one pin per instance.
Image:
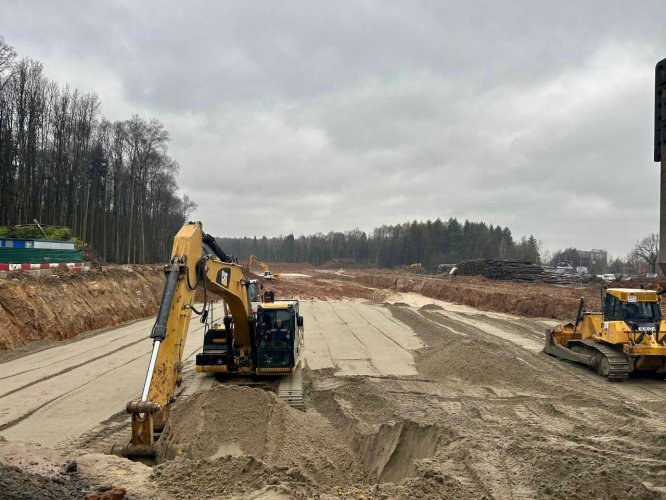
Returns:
(644, 312)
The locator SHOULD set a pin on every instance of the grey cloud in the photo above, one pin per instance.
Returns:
(305, 117)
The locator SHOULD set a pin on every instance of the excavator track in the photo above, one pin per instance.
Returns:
(609, 362)
(290, 389)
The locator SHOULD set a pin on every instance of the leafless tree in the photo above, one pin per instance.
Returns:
(648, 250)
(62, 163)
(7, 56)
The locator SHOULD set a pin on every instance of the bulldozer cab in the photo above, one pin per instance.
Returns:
(631, 306)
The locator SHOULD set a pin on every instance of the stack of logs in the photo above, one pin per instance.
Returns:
(512, 269)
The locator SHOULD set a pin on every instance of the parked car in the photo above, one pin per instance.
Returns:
(608, 277)
(651, 275)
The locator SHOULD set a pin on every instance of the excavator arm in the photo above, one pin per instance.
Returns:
(196, 260)
(252, 259)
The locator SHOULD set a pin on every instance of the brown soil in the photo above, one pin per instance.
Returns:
(249, 440)
(486, 418)
(533, 300)
(537, 300)
(28, 472)
(317, 287)
(16, 483)
(65, 304)
(59, 307)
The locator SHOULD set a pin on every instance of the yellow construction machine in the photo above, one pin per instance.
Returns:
(240, 345)
(627, 336)
(264, 271)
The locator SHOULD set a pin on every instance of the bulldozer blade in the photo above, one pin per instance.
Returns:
(554, 349)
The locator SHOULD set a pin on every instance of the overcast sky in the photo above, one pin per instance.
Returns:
(316, 116)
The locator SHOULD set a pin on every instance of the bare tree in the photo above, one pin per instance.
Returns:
(648, 250)
(7, 56)
(61, 162)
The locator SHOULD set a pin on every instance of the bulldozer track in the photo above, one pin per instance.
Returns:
(618, 365)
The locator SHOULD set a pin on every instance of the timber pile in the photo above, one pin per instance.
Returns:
(512, 269)
(560, 278)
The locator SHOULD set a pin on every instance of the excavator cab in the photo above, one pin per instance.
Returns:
(279, 330)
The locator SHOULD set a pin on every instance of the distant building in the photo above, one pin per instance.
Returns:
(595, 260)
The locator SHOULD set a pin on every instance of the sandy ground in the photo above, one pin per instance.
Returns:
(55, 395)
(406, 397)
(525, 332)
(358, 339)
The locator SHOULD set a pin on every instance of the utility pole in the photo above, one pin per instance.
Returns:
(660, 153)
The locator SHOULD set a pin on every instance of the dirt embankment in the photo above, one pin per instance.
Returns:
(60, 306)
(536, 300)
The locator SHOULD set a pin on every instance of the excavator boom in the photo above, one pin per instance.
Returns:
(198, 261)
(253, 259)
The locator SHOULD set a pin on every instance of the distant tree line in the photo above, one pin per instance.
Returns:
(63, 163)
(430, 243)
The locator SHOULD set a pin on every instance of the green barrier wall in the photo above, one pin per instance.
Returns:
(38, 256)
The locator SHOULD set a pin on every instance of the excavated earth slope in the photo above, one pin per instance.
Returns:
(535, 300)
(60, 306)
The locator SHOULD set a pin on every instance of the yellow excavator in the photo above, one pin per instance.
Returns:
(264, 271)
(628, 335)
(240, 346)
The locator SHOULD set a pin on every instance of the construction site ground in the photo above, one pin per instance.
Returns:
(415, 387)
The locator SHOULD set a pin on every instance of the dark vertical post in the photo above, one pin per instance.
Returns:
(662, 213)
(660, 152)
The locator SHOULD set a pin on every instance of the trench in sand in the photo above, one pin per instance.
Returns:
(234, 421)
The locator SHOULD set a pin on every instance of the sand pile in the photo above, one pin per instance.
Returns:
(228, 427)
(225, 477)
(472, 358)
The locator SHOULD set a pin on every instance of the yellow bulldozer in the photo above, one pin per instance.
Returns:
(628, 335)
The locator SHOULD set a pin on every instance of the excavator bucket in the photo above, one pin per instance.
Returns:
(153, 441)
(153, 455)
